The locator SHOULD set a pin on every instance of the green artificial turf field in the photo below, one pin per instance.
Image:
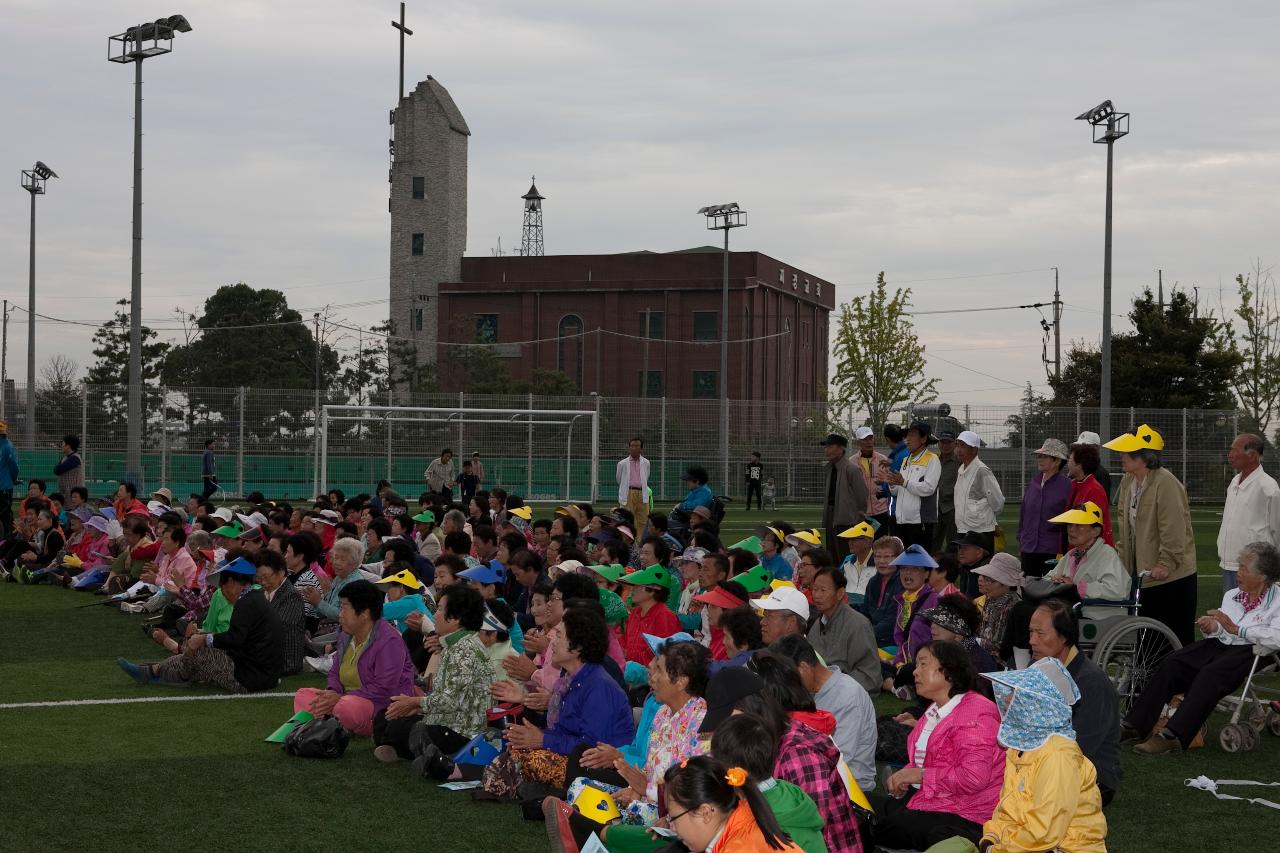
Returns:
(197, 775)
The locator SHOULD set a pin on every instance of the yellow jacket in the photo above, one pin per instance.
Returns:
(1049, 801)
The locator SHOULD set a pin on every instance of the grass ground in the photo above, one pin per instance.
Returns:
(197, 773)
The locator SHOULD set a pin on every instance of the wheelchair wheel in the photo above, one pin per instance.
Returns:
(1231, 738)
(1273, 723)
(1251, 737)
(1130, 653)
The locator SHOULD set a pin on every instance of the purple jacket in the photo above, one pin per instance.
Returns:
(384, 667)
(1041, 502)
(918, 632)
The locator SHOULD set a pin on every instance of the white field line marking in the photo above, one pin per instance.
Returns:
(71, 703)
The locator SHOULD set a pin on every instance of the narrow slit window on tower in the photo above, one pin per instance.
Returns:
(417, 244)
(417, 319)
(419, 187)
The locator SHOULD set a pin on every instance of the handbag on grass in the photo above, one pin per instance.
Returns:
(321, 738)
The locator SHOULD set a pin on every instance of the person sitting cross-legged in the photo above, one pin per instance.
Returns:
(246, 658)
(370, 665)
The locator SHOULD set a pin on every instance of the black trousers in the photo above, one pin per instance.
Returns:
(210, 486)
(396, 733)
(1204, 672)
(600, 774)
(1036, 565)
(900, 826)
(914, 534)
(753, 488)
(6, 513)
(1174, 604)
(838, 548)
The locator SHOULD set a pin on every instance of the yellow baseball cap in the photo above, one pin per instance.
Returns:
(859, 531)
(405, 578)
(1144, 438)
(812, 537)
(525, 512)
(1087, 513)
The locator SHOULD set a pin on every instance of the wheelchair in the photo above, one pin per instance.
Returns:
(1253, 705)
(1129, 648)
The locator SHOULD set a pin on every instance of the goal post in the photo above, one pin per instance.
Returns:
(539, 454)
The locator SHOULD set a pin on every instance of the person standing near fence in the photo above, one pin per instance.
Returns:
(633, 484)
(978, 497)
(945, 531)
(1252, 511)
(209, 469)
(846, 501)
(440, 477)
(8, 476)
(915, 487)
(477, 468)
(755, 479)
(70, 470)
(1046, 496)
(873, 462)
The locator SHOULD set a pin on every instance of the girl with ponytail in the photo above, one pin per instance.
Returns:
(712, 807)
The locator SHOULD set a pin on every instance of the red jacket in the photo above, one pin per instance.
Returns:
(659, 621)
(1089, 489)
(963, 765)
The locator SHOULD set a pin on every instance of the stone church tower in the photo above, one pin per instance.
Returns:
(428, 207)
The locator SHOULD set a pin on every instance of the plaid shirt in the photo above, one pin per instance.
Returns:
(810, 760)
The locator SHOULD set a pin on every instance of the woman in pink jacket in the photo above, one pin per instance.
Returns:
(952, 783)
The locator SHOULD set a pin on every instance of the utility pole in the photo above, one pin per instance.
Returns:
(1057, 327)
(644, 374)
(4, 361)
(315, 318)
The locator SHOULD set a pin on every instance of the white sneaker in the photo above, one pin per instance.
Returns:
(131, 608)
(321, 665)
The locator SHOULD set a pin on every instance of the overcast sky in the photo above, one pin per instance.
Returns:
(932, 140)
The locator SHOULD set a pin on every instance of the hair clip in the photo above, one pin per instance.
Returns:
(736, 777)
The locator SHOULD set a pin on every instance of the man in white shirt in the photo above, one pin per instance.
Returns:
(1252, 511)
(633, 484)
(978, 498)
(915, 488)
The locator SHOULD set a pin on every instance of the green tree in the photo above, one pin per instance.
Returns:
(58, 397)
(1176, 357)
(249, 337)
(1257, 382)
(880, 362)
(108, 376)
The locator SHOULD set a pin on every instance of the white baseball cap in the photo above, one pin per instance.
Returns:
(863, 432)
(785, 598)
(970, 438)
(1090, 438)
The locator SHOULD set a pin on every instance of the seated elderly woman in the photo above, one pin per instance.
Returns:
(952, 782)
(370, 665)
(999, 581)
(910, 631)
(1209, 669)
(1049, 798)
(593, 708)
(273, 578)
(430, 728)
(678, 679)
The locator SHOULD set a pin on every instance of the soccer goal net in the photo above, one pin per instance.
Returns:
(540, 454)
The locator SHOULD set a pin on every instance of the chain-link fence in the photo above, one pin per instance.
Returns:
(266, 440)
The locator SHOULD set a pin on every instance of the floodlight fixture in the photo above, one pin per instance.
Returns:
(145, 40)
(1108, 124)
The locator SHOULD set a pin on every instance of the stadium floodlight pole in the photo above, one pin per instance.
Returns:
(723, 217)
(33, 181)
(134, 45)
(1108, 126)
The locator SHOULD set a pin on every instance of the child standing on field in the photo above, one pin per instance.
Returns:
(770, 489)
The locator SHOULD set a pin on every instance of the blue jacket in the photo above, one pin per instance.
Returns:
(593, 710)
(778, 567)
(879, 606)
(397, 612)
(698, 496)
(8, 464)
(638, 751)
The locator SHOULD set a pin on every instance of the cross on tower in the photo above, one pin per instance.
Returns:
(404, 31)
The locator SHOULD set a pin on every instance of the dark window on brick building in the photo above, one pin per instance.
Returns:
(418, 244)
(706, 326)
(704, 384)
(419, 187)
(487, 328)
(417, 319)
(654, 388)
(657, 325)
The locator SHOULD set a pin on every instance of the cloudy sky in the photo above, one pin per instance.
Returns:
(932, 140)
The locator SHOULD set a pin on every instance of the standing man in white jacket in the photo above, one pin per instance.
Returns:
(633, 484)
(978, 497)
(915, 488)
(1252, 511)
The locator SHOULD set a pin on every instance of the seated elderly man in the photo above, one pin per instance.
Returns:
(786, 612)
(1208, 670)
(246, 658)
(1096, 717)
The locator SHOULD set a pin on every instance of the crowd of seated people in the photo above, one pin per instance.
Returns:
(645, 684)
